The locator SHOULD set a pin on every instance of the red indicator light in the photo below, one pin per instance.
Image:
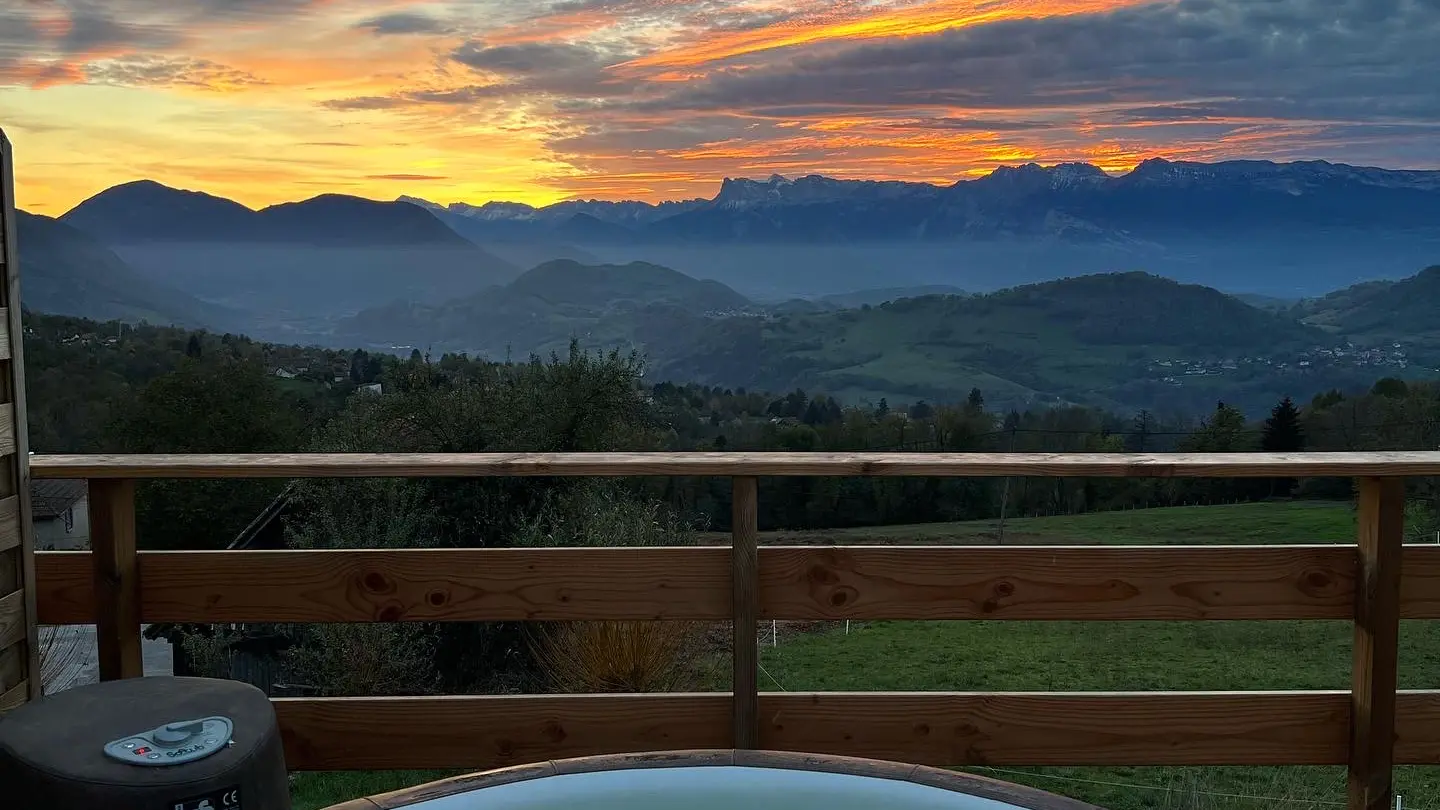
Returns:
(141, 751)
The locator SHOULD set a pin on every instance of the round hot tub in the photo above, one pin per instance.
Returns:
(718, 780)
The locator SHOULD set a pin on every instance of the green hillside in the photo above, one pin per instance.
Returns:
(1381, 312)
(545, 307)
(1093, 339)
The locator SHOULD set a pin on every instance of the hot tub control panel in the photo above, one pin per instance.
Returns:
(173, 743)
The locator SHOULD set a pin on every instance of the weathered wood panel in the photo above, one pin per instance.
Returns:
(7, 430)
(943, 729)
(13, 626)
(17, 546)
(1057, 582)
(446, 465)
(1380, 519)
(9, 523)
(493, 731)
(14, 697)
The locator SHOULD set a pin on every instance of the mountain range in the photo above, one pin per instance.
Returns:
(1281, 229)
(287, 264)
(1079, 283)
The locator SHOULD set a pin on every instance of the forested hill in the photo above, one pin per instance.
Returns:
(97, 388)
(1120, 341)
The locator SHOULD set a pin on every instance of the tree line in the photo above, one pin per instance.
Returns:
(154, 389)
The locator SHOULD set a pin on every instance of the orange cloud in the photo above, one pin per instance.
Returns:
(928, 18)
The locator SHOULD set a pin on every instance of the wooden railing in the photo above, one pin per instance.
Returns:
(1370, 728)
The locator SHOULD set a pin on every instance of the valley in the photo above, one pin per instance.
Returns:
(1165, 288)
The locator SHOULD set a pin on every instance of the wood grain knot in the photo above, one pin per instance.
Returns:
(843, 596)
(437, 598)
(553, 731)
(375, 582)
(1317, 581)
(389, 613)
(505, 749)
(1004, 589)
(923, 729)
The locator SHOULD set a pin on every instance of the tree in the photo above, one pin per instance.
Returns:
(1282, 432)
(1390, 387)
(582, 402)
(207, 406)
(192, 347)
(921, 410)
(975, 402)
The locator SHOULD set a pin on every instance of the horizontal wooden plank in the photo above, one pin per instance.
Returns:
(443, 465)
(405, 585)
(15, 697)
(493, 731)
(942, 729)
(12, 666)
(1417, 727)
(1136, 728)
(12, 618)
(1057, 582)
(9, 523)
(846, 582)
(65, 588)
(1026, 583)
(7, 429)
(1420, 581)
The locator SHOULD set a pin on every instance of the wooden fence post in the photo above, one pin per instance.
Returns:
(20, 676)
(1381, 533)
(745, 649)
(117, 578)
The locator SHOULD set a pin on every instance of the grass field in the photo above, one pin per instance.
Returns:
(1060, 656)
(1274, 522)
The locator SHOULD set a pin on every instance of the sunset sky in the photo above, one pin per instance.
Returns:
(540, 100)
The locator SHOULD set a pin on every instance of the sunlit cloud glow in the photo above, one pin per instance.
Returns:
(476, 100)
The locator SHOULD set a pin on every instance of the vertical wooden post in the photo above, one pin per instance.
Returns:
(117, 578)
(1377, 638)
(745, 650)
(20, 678)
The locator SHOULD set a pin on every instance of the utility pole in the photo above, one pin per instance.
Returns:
(1005, 492)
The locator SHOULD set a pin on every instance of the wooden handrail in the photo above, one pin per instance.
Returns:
(469, 465)
(1370, 729)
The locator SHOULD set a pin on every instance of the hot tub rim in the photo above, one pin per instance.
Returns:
(1021, 796)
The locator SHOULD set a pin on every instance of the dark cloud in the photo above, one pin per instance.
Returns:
(968, 125)
(405, 22)
(529, 58)
(459, 96)
(1349, 59)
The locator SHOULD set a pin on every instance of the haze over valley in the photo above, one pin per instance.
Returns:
(1165, 287)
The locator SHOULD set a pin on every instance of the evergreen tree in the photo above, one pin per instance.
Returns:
(192, 348)
(1283, 434)
(975, 403)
